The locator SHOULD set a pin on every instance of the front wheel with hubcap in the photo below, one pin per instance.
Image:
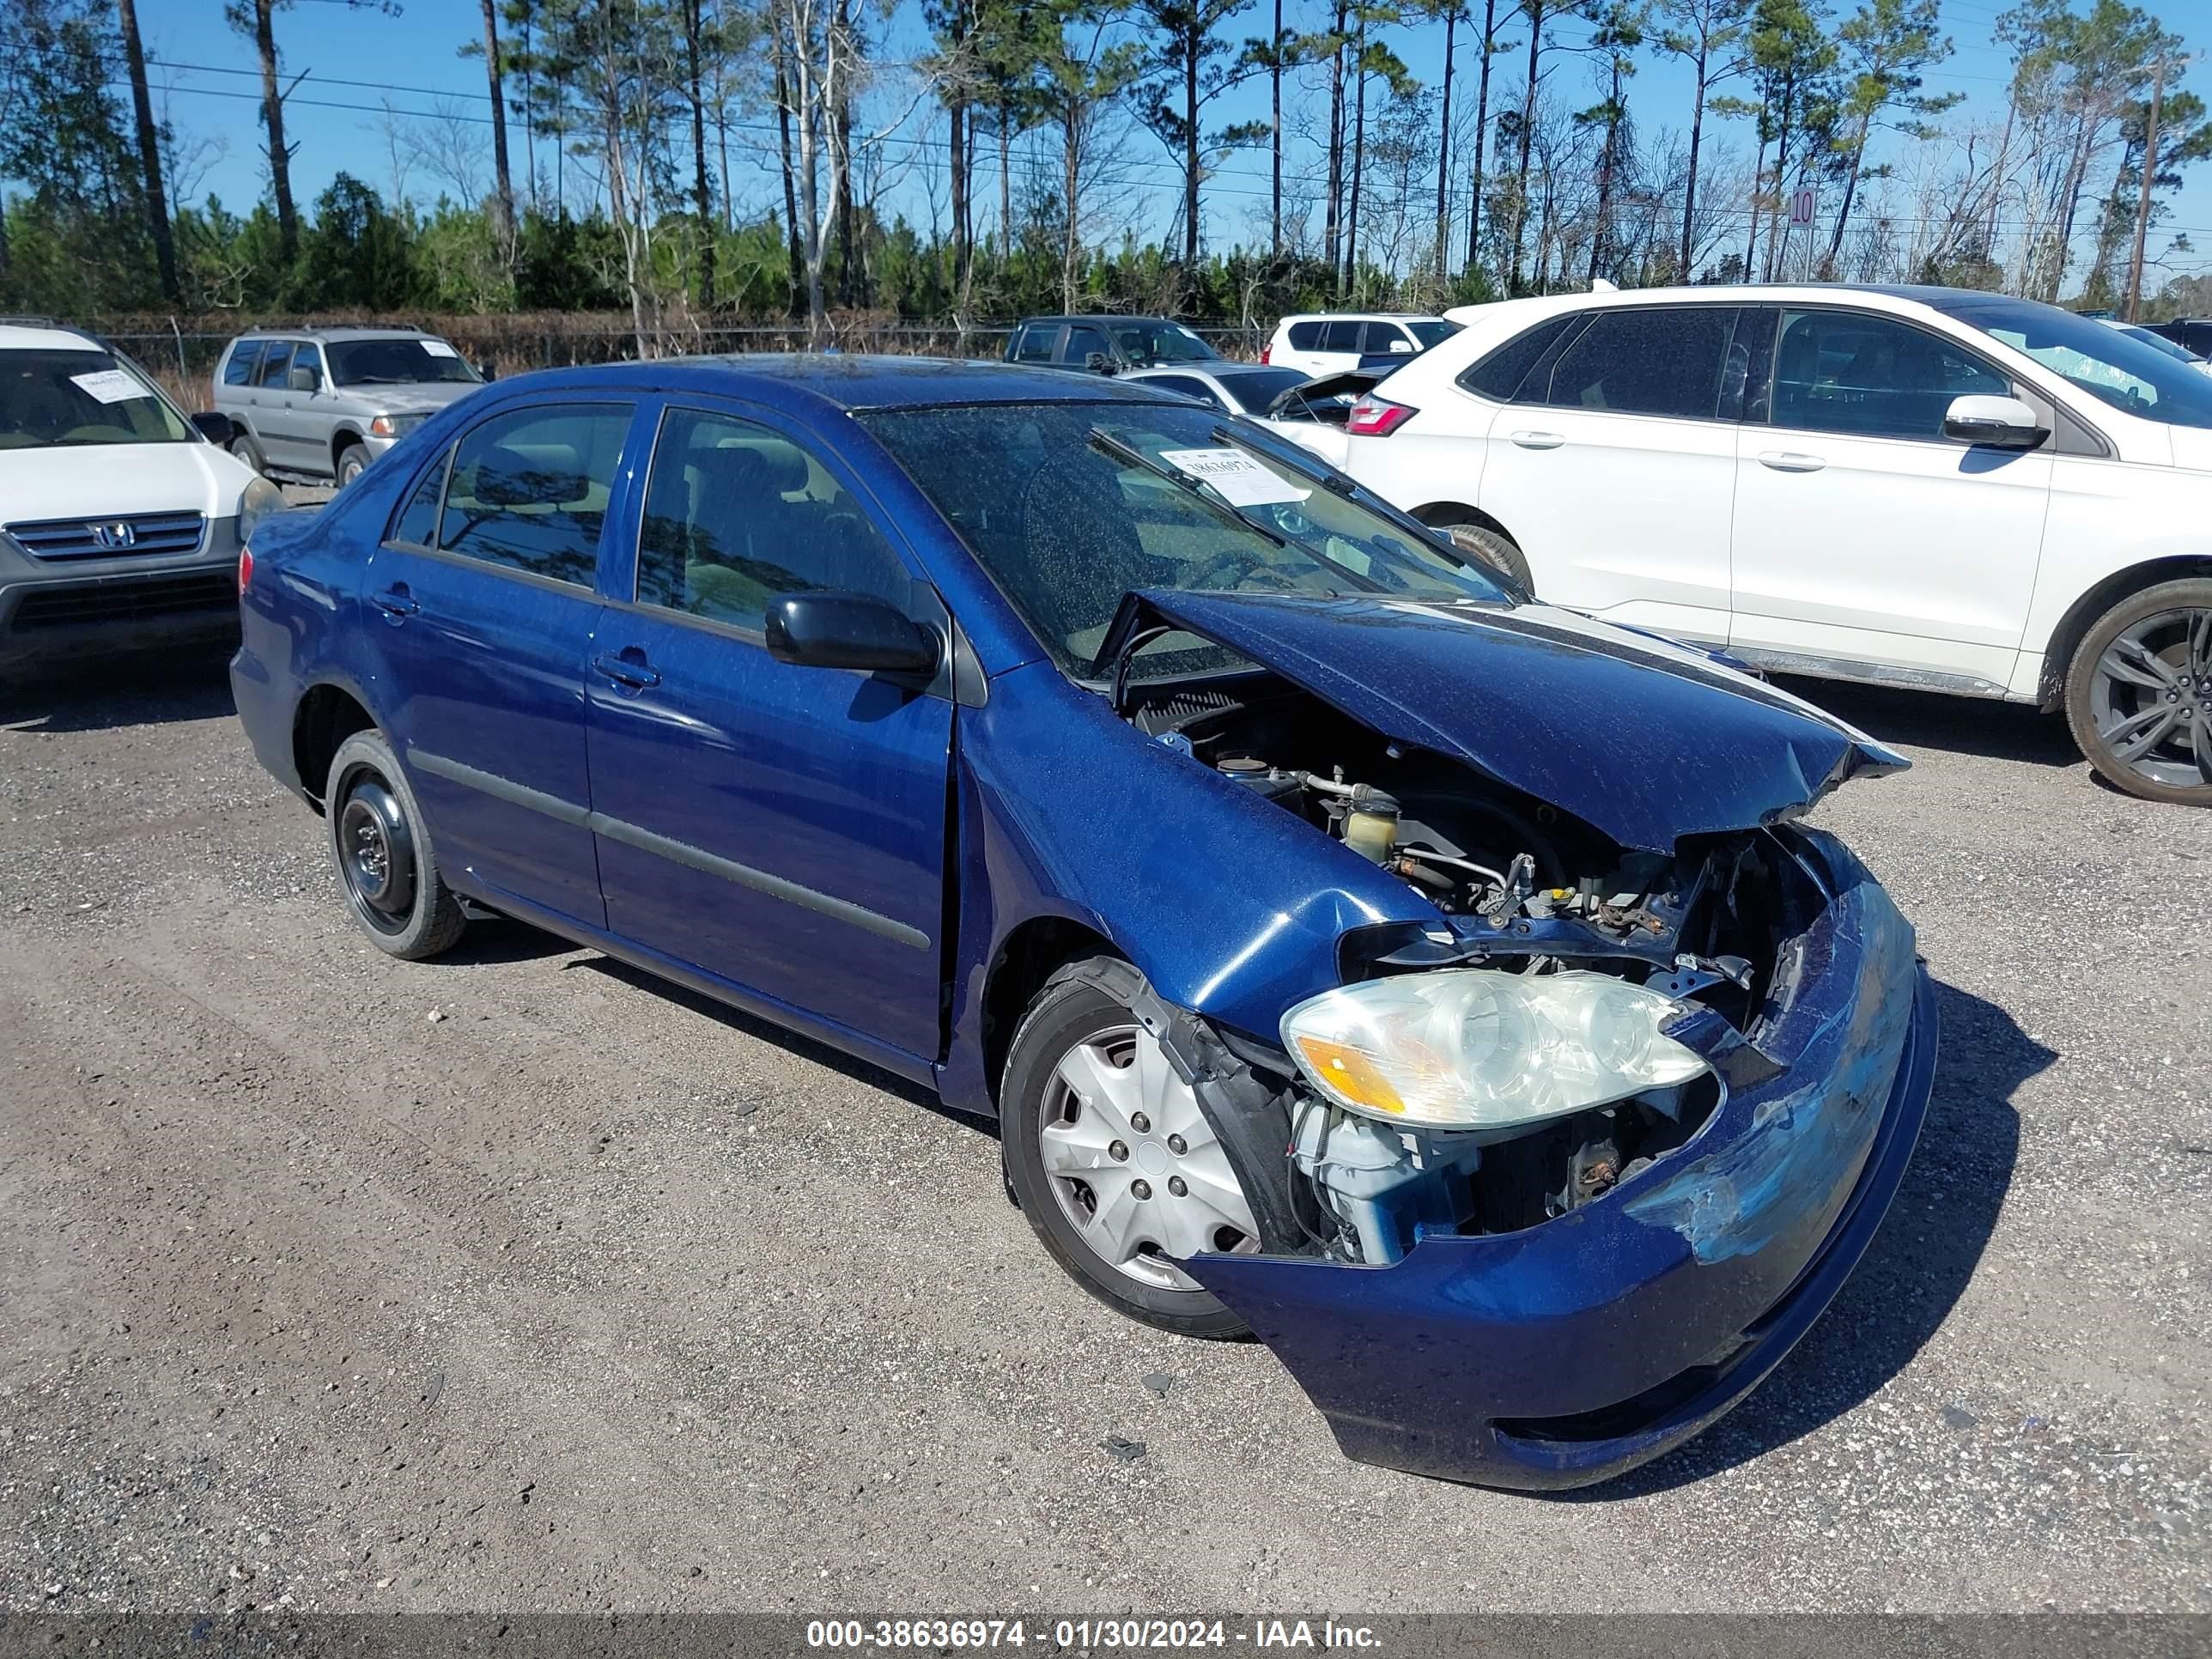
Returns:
(383, 858)
(1111, 1158)
(2139, 694)
(353, 461)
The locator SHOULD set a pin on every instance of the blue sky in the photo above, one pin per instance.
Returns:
(415, 59)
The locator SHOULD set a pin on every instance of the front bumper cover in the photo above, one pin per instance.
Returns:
(83, 610)
(1575, 1349)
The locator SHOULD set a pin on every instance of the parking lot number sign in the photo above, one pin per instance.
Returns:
(1800, 207)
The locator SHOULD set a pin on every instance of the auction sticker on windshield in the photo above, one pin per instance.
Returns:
(438, 349)
(1242, 481)
(109, 385)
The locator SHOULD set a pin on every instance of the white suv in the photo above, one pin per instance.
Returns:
(1922, 487)
(1338, 342)
(120, 521)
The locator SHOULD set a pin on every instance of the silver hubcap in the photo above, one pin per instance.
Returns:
(2153, 698)
(1134, 1164)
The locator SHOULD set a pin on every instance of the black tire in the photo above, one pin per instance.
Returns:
(2170, 624)
(353, 461)
(1081, 1000)
(1495, 550)
(248, 451)
(409, 913)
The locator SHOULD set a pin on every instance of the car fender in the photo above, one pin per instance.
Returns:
(2110, 522)
(1231, 907)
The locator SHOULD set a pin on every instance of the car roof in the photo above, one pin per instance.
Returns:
(1361, 316)
(854, 381)
(1101, 316)
(338, 331)
(37, 334)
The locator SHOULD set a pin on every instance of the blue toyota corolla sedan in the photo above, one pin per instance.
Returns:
(1352, 952)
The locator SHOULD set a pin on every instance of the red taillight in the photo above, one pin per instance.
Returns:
(1267, 352)
(1376, 417)
(245, 568)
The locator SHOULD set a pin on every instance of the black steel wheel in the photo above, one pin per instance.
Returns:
(383, 858)
(2139, 694)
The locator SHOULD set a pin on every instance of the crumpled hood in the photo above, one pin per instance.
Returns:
(1643, 740)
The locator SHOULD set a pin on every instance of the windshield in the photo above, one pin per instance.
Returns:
(2160, 344)
(1430, 334)
(1256, 390)
(2103, 361)
(396, 363)
(1162, 343)
(1071, 505)
(72, 398)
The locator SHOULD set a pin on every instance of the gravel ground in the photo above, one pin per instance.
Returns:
(522, 1281)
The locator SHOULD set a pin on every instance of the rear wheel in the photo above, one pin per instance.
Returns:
(1498, 551)
(2139, 694)
(1110, 1158)
(383, 858)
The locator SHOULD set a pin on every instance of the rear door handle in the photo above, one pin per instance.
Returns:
(632, 671)
(1538, 440)
(1785, 460)
(396, 602)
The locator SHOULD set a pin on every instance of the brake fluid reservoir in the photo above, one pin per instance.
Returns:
(1370, 827)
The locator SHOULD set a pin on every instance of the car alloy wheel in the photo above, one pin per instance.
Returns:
(376, 853)
(2151, 701)
(1133, 1165)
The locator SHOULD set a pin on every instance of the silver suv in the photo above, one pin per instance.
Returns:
(321, 404)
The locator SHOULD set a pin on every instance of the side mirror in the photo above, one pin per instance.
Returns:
(487, 371)
(1098, 363)
(216, 428)
(2000, 422)
(848, 630)
(1401, 347)
(303, 379)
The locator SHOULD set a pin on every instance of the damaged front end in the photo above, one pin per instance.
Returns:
(1550, 1182)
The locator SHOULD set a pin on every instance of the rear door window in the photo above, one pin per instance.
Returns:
(1342, 334)
(1656, 362)
(239, 371)
(275, 363)
(529, 489)
(1035, 345)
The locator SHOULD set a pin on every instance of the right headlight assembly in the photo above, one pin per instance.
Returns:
(1474, 1049)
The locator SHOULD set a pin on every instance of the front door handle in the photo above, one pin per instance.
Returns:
(396, 602)
(1788, 460)
(1538, 440)
(630, 669)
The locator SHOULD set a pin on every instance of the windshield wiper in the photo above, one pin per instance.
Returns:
(1130, 455)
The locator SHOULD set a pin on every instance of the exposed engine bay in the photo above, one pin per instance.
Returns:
(1608, 946)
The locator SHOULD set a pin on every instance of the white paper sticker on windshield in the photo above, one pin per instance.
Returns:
(1242, 481)
(110, 385)
(439, 348)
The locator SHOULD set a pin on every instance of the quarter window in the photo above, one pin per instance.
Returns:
(1841, 371)
(1647, 362)
(1305, 337)
(735, 514)
(239, 371)
(418, 523)
(1499, 377)
(529, 489)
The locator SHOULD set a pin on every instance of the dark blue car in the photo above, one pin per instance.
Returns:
(1351, 953)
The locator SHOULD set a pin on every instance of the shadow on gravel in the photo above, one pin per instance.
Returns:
(761, 1030)
(1928, 719)
(1913, 1272)
(141, 691)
